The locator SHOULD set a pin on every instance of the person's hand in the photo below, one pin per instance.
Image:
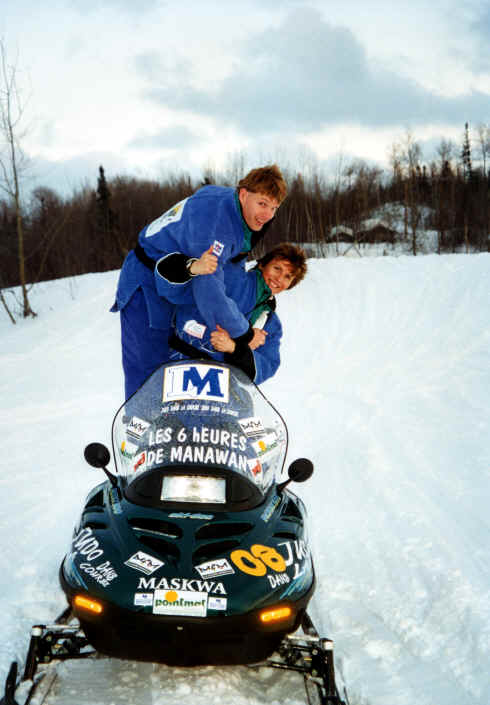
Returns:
(221, 340)
(206, 264)
(258, 339)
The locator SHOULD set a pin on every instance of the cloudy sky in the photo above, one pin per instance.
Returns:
(151, 87)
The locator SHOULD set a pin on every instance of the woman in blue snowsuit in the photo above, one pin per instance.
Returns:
(226, 221)
(253, 292)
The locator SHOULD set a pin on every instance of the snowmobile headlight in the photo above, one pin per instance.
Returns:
(275, 614)
(194, 488)
(88, 603)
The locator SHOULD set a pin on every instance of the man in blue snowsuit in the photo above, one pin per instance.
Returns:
(226, 222)
(253, 292)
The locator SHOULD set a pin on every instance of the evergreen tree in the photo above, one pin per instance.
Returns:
(466, 155)
(107, 245)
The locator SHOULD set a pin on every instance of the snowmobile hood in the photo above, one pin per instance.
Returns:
(198, 434)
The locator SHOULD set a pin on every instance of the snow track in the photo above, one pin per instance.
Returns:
(384, 383)
(104, 681)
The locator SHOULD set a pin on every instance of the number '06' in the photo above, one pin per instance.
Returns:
(258, 559)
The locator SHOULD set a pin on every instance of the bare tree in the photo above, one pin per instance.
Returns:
(12, 160)
(410, 156)
(484, 142)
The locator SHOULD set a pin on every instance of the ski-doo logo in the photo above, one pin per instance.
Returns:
(87, 546)
(142, 561)
(196, 381)
(181, 602)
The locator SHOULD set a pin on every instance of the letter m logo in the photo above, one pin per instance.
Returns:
(196, 381)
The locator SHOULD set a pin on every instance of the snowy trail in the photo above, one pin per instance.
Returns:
(385, 384)
(116, 682)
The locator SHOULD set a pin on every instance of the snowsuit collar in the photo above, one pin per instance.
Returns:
(265, 301)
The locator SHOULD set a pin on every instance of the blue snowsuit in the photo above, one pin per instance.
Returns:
(193, 323)
(211, 216)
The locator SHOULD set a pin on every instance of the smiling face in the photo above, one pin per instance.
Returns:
(278, 274)
(257, 209)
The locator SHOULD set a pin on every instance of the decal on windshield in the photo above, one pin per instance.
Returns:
(252, 427)
(196, 381)
(137, 427)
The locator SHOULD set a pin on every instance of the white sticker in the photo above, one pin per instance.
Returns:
(180, 602)
(218, 248)
(142, 561)
(143, 599)
(137, 427)
(213, 569)
(129, 450)
(196, 381)
(252, 427)
(194, 328)
(267, 446)
(173, 215)
(217, 603)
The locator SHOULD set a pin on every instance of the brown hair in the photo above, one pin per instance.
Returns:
(267, 180)
(291, 253)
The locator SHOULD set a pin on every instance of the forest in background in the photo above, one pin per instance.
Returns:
(93, 229)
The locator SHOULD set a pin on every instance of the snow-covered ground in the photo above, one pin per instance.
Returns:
(385, 384)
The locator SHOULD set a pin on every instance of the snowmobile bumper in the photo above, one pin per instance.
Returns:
(225, 640)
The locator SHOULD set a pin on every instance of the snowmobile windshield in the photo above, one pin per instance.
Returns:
(199, 433)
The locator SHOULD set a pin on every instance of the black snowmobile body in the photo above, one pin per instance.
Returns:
(192, 552)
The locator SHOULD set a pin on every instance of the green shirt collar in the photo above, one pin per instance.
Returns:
(262, 298)
(247, 233)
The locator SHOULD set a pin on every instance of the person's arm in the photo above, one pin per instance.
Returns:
(258, 364)
(175, 271)
(217, 308)
(267, 357)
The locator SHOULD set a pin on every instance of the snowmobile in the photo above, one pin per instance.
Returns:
(192, 551)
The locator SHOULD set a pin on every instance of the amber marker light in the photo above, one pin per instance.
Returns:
(275, 614)
(87, 603)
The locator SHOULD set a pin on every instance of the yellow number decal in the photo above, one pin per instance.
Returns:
(247, 563)
(270, 557)
(255, 562)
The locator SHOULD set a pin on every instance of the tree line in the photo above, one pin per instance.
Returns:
(94, 229)
(51, 236)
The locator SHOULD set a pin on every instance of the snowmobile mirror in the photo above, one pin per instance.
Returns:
(98, 456)
(300, 470)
